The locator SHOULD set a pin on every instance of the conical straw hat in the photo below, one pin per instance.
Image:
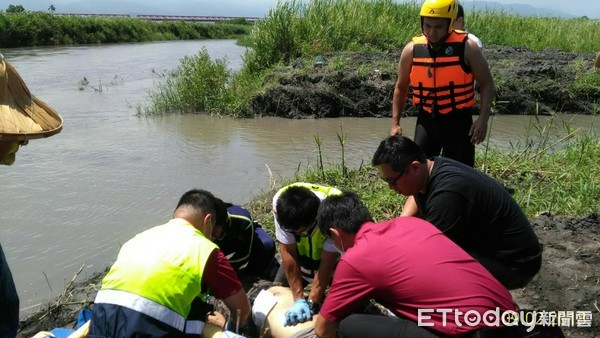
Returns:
(23, 116)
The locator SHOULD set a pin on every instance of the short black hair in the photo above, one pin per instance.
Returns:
(222, 216)
(296, 208)
(398, 152)
(200, 200)
(461, 11)
(345, 212)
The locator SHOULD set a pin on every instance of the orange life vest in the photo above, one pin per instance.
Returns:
(441, 80)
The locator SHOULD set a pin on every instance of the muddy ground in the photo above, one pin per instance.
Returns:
(362, 84)
(568, 281)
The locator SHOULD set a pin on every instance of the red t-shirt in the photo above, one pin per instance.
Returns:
(220, 277)
(408, 265)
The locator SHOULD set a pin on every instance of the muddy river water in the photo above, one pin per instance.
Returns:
(73, 199)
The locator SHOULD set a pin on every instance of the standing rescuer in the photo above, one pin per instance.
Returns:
(441, 65)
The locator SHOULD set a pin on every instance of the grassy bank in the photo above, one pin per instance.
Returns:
(43, 29)
(293, 29)
(557, 173)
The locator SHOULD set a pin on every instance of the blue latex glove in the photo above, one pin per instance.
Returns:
(300, 312)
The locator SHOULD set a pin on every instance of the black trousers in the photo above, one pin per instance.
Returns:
(110, 320)
(511, 275)
(9, 301)
(446, 135)
(375, 326)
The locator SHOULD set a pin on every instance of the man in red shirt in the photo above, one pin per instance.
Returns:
(410, 267)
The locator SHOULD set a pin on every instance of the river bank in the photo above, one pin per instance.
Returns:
(361, 84)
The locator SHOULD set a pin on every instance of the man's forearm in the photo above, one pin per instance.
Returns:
(324, 328)
(410, 208)
(485, 104)
(398, 101)
(292, 273)
(323, 276)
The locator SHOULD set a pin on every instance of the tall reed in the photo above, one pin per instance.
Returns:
(553, 167)
(564, 179)
(537, 33)
(295, 28)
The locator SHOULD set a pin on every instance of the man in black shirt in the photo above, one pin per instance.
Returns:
(471, 208)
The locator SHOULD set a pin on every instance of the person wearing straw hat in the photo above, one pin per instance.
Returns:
(22, 117)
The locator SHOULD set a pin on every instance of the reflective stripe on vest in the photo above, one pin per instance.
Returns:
(309, 248)
(163, 264)
(441, 80)
(309, 252)
(307, 274)
(194, 327)
(142, 305)
(243, 260)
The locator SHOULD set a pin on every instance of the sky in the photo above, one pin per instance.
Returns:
(589, 8)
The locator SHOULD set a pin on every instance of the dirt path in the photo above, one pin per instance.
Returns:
(570, 276)
(361, 84)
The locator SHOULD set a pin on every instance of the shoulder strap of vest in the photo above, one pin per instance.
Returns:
(419, 39)
(456, 36)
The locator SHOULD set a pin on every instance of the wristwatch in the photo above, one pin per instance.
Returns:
(314, 307)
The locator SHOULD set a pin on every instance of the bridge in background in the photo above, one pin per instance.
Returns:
(186, 18)
(192, 18)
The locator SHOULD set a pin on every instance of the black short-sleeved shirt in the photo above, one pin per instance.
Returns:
(477, 213)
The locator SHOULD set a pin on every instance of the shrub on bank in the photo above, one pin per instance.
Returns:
(202, 85)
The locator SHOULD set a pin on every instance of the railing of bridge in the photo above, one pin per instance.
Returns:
(186, 18)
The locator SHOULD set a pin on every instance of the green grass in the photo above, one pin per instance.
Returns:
(553, 169)
(294, 29)
(537, 33)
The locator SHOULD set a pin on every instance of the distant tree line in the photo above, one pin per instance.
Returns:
(21, 28)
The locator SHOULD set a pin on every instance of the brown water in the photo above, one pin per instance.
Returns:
(73, 199)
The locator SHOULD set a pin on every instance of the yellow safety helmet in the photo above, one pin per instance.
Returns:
(444, 9)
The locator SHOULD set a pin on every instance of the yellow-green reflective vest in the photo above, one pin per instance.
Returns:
(163, 265)
(310, 247)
